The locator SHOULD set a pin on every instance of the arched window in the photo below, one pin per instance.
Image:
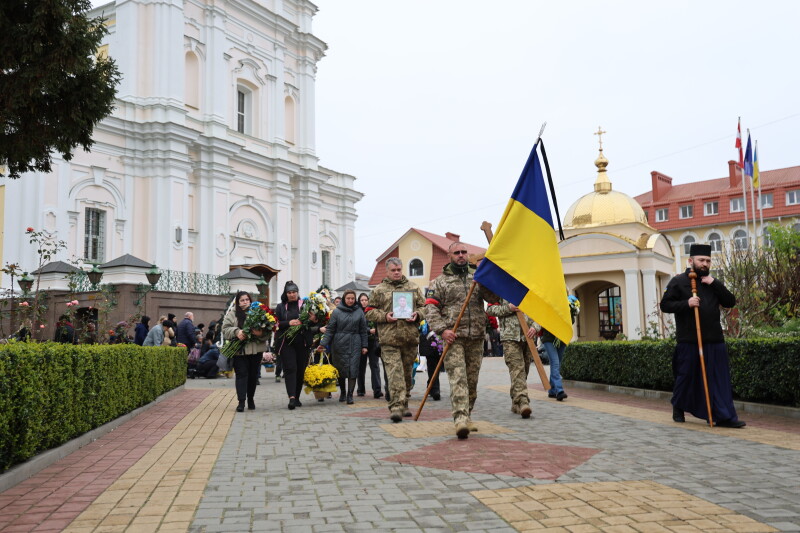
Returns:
(326, 268)
(767, 238)
(796, 227)
(688, 241)
(415, 269)
(192, 82)
(740, 239)
(715, 241)
(609, 308)
(290, 118)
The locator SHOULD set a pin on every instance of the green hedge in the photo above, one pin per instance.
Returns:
(762, 370)
(51, 393)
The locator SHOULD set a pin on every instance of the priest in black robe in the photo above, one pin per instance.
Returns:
(688, 394)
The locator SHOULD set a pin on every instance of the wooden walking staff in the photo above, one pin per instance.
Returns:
(693, 281)
(523, 324)
(444, 352)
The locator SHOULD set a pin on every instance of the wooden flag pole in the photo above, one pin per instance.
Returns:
(446, 349)
(693, 280)
(487, 230)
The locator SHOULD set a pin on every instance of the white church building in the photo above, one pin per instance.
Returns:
(208, 159)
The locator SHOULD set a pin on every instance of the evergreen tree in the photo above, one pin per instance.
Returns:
(53, 90)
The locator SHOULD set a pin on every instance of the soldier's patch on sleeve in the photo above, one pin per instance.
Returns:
(429, 293)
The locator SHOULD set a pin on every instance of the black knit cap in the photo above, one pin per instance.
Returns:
(700, 249)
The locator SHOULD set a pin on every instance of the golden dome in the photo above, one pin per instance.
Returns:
(604, 206)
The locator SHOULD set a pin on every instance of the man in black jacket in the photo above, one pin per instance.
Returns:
(688, 391)
(185, 333)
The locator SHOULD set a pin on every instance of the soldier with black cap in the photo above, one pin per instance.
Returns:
(688, 391)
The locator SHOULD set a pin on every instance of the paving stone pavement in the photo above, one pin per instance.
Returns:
(594, 462)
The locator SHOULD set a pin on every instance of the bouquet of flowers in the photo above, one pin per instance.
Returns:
(574, 305)
(321, 378)
(259, 317)
(315, 305)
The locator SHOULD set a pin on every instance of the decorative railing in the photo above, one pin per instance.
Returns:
(171, 280)
(192, 283)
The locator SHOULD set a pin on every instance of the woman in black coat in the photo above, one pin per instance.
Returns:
(293, 353)
(346, 338)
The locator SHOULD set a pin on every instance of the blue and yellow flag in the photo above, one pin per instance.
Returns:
(523, 264)
(756, 173)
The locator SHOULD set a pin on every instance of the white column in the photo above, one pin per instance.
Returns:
(649, 294)
(217, 101)
(633, 313)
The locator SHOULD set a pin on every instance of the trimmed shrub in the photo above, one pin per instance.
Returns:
(762, 370)
(51, 393)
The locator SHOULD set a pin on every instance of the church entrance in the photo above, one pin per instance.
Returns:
(609, 309)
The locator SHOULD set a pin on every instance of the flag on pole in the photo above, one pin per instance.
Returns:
(510, 269)
(748, 159)
(756, 180)
(739, 142)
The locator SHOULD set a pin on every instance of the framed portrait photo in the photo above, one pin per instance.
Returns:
(403, 304)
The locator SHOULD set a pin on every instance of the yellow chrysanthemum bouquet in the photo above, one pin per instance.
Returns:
(321, 378)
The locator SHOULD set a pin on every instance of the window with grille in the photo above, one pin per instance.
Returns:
(94, 236)
(241, 111)
(688, 241)
(740, 239)
(715, 241)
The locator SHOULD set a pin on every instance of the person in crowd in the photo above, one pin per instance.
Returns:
(90, 333)
(185, 331)
(554, 350)
(207, 364)
(293, 353)
(119, 334)
(246, 363)
(65, 331)
(140, 333)
(516, 352)
(370, 358)
(23, 334)
(337, 301)
(169, 335)
(445, 297)
(157, 334)
(432, 355)
(346, 339)
(398, 337)
(173, 326)
(688, 393)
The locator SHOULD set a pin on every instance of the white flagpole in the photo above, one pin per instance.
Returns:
(753, 204)
(744, 200)
(760, 206)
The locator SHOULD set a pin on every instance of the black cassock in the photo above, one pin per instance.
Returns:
(689, 393)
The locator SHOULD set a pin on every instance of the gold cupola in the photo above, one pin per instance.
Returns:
(604, 206)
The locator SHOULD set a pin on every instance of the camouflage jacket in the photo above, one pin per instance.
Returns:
(445, 297)
(400, 333)
(509, 323)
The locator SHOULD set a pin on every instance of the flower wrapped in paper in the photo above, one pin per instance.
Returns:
(259, 317)
(315, 305)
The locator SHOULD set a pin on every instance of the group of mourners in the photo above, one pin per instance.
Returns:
(359, 325)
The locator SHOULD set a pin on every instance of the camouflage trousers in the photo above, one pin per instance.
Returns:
(463, 364)
(517, 355)
(398, 362)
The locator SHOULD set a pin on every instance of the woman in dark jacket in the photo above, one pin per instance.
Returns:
(293, 353)
(370, 358)
(141, 330)
(246, 363)
(346, 338)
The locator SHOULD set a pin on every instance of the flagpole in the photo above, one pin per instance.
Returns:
(741, 167)
(753, 201)
(744, 200)
(760, 206)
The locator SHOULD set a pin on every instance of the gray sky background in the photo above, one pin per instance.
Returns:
(434, 105)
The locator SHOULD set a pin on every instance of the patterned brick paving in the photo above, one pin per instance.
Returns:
(427, 413)
(51, 499)
(627, 506)
(499, 457)
(419, 430)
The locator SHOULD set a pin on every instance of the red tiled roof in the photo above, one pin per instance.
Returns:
(439, 259)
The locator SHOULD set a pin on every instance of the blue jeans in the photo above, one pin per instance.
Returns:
(556, 355)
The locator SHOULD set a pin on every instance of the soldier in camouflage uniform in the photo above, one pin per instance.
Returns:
(445, 297)
(398, 337)
(516, 353)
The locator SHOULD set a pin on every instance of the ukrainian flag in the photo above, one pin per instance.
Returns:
(523, 264)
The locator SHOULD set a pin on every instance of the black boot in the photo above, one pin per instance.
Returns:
(677, 415)
(351, 386)
(251, 404)
(240, 407)
(342, 393)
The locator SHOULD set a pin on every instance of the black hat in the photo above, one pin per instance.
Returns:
(291, 286)
(700, 249)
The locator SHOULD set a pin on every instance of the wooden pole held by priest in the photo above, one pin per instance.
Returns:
(693, 281)
(444, 352)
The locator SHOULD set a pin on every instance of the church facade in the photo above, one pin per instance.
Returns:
(208, 159)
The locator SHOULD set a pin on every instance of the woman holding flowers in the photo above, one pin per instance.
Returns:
(296, 328)
(347, 335)
(246, 330)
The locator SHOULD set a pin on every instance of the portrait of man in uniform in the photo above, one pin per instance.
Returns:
(400, 304)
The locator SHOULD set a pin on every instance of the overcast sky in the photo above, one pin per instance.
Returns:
(434, 105)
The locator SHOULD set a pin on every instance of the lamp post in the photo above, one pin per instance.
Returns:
(95, 275)
(25, 283)
(153, 275)
(263, 289)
